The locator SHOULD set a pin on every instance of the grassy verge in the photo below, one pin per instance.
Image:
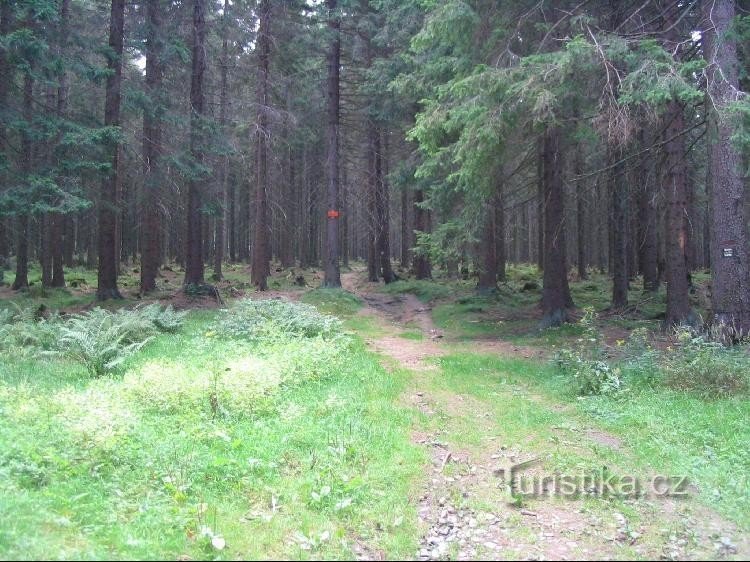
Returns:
(668, 432)
(346, 306)
(180, 457)
(426, 291)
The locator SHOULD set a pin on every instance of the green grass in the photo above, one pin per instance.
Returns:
(79, 292)
(346, 306)
(134, 466)
(295, 450)
(513, 314)
(415, 335)
(426, 291)
(333, 301)
(664, 431)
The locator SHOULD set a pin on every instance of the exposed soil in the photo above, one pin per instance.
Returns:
(466, 509)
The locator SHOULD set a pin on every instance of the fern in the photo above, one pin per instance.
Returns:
(101, 340)
(22, 333)
(273, 319)
(165, 319)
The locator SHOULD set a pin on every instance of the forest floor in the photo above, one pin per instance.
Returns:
(474, 425)
(402, 451)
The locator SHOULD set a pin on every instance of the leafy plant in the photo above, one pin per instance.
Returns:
(21, 332)
(699, 364)
(641, 358)
(101, 340)
(593, 377)
(585, 364)
(165, 319)
(273, 319)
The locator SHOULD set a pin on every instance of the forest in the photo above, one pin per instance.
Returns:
(375, 279)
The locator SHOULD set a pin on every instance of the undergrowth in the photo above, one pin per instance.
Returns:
(99, 340)
(211, 444)
(694, 362)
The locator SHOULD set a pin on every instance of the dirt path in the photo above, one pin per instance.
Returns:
(466, 509)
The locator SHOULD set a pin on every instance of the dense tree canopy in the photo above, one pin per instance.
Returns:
(456, 134)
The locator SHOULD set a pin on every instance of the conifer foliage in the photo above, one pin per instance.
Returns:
(422, 137)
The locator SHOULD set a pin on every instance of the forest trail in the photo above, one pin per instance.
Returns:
(396, 313)
(466, 509)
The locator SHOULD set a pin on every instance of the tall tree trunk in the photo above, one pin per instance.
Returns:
(69, 225)
(289, 220)
(540, 205)
(422, 266)
(27, 154)
(57, 226)
(675, 187)
(303, 200)
(108, 203)
(373, 271)
(676, 199)
(487, 247)
(232, 219)
(500, 251)
(730, 247)
(648, 220)
(581, 231)
(556, 297)
(194, 268)
(525, 248)
(44, 223)
(346, 208)
(243, 213)
(260, 268)
(581, 243)
(221, 219)
(602, 214)
(332, 273)
(6, 17)
(4, 249)
(151, 215)
(619, 258)
(405, 231)
(382, 206)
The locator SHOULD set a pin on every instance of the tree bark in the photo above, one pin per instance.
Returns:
(487, 247)
(332, 272)
(27, 155)
(619, 194)
(151, 215)
(44, 223)
(289, 219)
(221, 218)
(500, 251)
(260, 268)
(556, 297)
(675, 187)
(373, 271)
(232, 221)
(405, 231)
(648, 221)
(346, 208)
(540, 211)
(194, 267)
(421, 262)
(730, 247)
(108, 203)
(57, 226)
(382, 207)
(6, 18)
(581, 260)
